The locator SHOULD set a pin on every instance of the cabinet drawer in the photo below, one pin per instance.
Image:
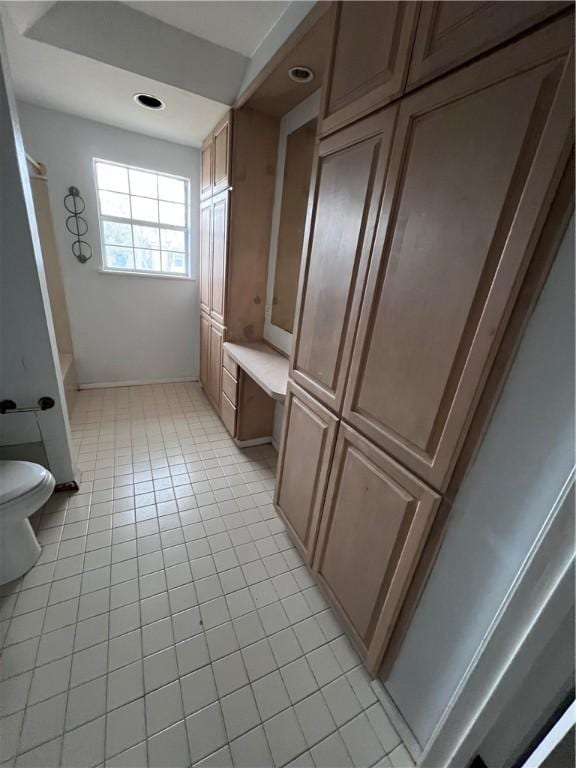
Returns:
(375, 521)
(229, 386)
(230, 365)
(228, 414)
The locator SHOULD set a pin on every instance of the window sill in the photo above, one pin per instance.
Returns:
(122, 273)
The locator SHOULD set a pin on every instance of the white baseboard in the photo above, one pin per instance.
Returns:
(404, 731)
(135, 383)
(254, 442)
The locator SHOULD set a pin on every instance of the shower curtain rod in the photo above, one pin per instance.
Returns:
(40, 168)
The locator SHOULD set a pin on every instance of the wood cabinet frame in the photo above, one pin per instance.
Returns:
(486, 26)
(328, 425)
(421, 504)
(370, 95)
(379, 125)
(546, 47)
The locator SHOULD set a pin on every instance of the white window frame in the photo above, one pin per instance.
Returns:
(104, 268)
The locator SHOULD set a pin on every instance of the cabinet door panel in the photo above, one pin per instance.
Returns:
(374, 524)
(349, 174)
(221, 150)
(451, 33)
(371, 50)
(206, 256)
(204, 350)
(215, 374)
(493, 138)
(219, 254)
(307, 444)
(206, 169)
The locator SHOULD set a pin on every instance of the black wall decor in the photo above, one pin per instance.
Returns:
(77, 225)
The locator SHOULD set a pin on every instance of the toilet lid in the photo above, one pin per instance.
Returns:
(18, 478)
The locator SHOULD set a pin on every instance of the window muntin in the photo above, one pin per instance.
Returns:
(143, 220)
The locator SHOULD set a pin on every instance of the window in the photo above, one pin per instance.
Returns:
(143, 220)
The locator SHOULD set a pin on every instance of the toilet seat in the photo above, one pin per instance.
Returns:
(24, 487)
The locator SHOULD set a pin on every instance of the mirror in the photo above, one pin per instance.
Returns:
(296, 144)
(295, 187)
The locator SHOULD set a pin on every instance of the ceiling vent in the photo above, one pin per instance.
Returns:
(148, 101)
(301, 74)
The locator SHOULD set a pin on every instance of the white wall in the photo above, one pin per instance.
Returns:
(523, 463)
(124, 328)
(28, 355)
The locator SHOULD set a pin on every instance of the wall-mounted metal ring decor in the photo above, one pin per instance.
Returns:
(77, 225)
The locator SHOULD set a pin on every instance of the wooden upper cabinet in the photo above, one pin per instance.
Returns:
(375, 521)
(221, 154)
(371, 47)
(215, 367)
(347, 183)
(476, 160)
(305, 454)
(451, 33)
(204, 350)
(206, 256)
(219, 254)
(206, 168)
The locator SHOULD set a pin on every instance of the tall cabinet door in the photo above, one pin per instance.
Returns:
(493, 138)
(370, 53)
(215, 366)
(305, 455)
(206, 168)
(221, 150)
(375, 521)
(342, 211)
(219, 254)
(204, 350)
(451, 33)
(206, 256)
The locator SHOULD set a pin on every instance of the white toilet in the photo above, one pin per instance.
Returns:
(24, 488)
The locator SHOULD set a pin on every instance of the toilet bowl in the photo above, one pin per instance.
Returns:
(24, 488)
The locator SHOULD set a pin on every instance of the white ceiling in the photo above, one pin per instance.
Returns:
(68, 82)
(64, 81)
(240, 25)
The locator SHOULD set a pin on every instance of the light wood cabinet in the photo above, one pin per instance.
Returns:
(221, 152)
(451, 33)
(219, 255)
(206, 168)
(215, 369)
(305, 455)
(204, 350)
(228, 414)
(475, 162)
(206, 256)
(346, 189)
(371, 47)
(374, 524)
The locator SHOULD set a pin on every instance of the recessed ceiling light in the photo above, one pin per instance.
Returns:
(148, 101)
(301, 74)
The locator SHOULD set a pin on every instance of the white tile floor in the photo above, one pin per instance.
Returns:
(169, 620)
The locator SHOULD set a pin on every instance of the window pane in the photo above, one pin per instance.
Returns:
(113, 177)
(171, 189)
(116, 233)
(146, 237)
(142, 183)
(113, 204)
(147, 260)
(119, 258)
(172, 239)
(173, 262)
(172, 213)
(144, 209)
